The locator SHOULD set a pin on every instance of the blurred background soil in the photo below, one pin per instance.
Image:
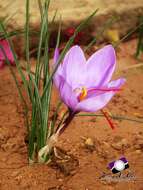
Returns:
(123, 13)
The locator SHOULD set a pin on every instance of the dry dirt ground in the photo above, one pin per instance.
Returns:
(89, 160)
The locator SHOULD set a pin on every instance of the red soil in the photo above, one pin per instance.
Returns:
(88, 160)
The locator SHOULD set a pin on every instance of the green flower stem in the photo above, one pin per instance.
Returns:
(54, 118)
(66, 123)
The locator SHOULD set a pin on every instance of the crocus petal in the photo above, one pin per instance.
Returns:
(58, 72)
(74, 67)
(96, 103)
(56, 55)
(100, 67)
(8, 52)
(99, 101)
(116, 83)
(67, 95)
(57, 80)
(94, 91)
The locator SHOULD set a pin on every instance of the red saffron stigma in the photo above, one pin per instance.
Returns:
(105, 89)
(108, 118)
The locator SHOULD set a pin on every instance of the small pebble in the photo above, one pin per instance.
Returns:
(120, 144)
(138, 151)
(15, 173)
(89, 142)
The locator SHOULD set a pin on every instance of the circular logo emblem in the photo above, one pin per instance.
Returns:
(119, 165)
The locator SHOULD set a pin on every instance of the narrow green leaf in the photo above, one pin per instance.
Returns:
(107, 24)
(127, 35)
(16, 60)
(139, 49)
(118, 117)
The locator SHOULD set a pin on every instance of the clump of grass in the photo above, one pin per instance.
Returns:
(42, 132)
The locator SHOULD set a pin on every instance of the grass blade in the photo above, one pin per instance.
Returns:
(101, 31)
(118, 117)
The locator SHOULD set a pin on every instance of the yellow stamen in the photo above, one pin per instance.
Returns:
(83, 94)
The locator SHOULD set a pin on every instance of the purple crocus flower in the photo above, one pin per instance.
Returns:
(85, 85)
(6, 47)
